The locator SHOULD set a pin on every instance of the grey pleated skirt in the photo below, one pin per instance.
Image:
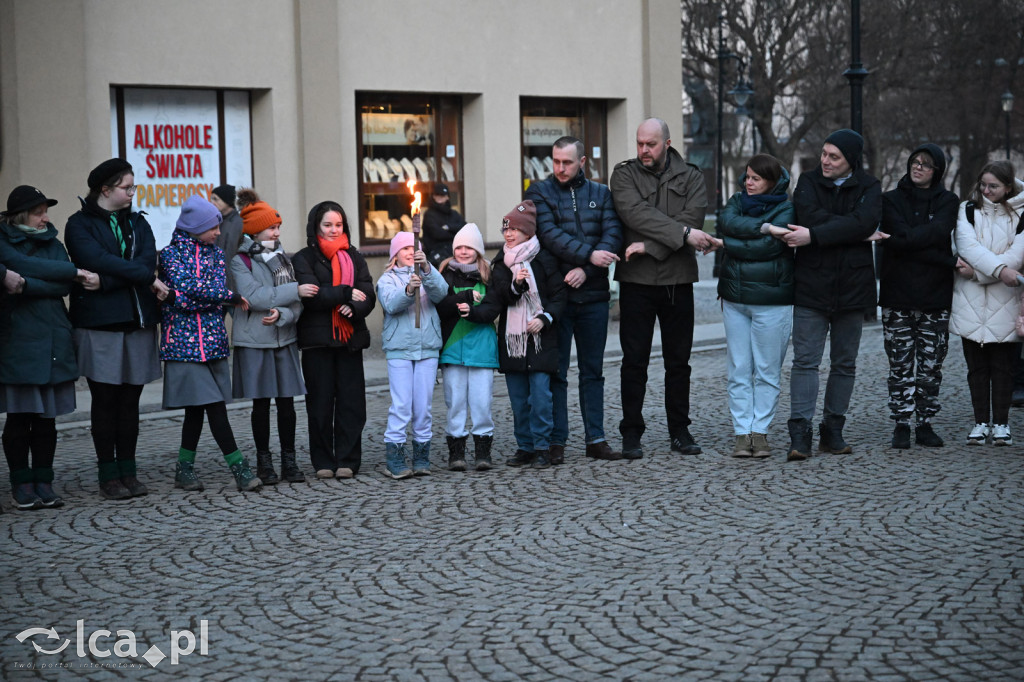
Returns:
(118, 357)
(267, 372)
(196, 383)
(50, 401)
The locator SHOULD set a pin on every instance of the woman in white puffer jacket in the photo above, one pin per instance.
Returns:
(986, 298)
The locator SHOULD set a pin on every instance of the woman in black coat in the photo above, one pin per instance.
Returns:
(115, 325)
(332, 336)
(37, 361)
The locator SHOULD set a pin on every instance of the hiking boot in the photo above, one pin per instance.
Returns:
(759, 446)
(134, 486)
(522, 458)
(978, 435)
(901, 436)
(556, 454)
(800, 436)
(684, 444)
(540, 460)
(395, 461)
(185, 477)
(482, 452)
(1001, 435)
(421, 458)
(602, 451)
(265, 467)
(830, 431)
(48, 498)
(924, 435)
(289, 469)
(631, 447)
(245, 479)
(24, 496)
(743, 446)
(456, 453)
(114, 489)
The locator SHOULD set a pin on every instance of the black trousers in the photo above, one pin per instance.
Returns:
(335, 407)
(672, 307)
(990, 378)
(26, 433)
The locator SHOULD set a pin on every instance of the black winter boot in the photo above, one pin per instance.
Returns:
(265, 467)
(482, 451)
(289, 469)
(800, 436)
(456, 453)
(831, 432)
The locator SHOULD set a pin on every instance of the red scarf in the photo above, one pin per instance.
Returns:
(342, 272)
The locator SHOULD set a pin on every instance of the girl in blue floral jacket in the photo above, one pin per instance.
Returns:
(194, 340)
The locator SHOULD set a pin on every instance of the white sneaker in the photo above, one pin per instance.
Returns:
(1001, 435)
(978, 435)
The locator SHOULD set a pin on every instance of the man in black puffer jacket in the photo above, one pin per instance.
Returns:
(577, 223)
(838, 206)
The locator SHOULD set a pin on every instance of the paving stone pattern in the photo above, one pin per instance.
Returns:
(880, 565)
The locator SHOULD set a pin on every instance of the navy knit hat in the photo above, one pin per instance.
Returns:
(198, 215)
(850, 143)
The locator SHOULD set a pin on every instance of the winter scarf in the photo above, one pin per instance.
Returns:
(274, 256)
(342, 272)
(528, 306)
(759, 204)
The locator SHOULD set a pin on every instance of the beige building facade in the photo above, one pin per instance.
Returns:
(305, 99)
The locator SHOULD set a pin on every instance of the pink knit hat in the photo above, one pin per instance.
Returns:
(399, 242)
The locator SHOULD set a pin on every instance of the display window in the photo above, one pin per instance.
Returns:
(405, 137)
(544, 120)
(180, 142)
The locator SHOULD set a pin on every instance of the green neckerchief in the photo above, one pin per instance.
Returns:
(116, 228)
(32, 230)
(464, 326)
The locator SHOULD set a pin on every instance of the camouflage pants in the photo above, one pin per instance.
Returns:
(915, 337)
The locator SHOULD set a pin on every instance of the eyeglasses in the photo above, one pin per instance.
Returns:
(922, 165)
(506, 229)
(129, 189)
(506, 226)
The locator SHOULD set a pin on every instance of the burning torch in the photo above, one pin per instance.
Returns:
(415, 211)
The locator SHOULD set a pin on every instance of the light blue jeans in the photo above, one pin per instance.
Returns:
(757, 337)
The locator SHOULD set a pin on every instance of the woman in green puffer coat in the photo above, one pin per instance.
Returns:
(756, 287)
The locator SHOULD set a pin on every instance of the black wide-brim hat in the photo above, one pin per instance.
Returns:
(24, 197)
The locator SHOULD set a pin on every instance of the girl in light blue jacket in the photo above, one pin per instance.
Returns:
(409, 284)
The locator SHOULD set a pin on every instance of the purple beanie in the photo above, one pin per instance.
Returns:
(198, 215)
(399, 242)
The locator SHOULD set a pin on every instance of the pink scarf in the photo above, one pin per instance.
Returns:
(528, 306)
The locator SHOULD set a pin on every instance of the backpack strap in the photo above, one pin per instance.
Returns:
(248, 261)
(969, 210)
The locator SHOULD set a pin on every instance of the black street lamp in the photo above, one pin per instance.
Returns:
(1007, 101)
(856, 73)
(742, 93)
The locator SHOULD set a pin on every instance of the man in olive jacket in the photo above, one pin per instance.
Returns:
(661, 202)
(838, 207)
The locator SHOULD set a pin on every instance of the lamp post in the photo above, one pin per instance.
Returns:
(1007, 101)
(856, 73)
(742, 93)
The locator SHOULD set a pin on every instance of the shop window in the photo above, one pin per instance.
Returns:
(405, 137)
(547, 119)
(180, 142)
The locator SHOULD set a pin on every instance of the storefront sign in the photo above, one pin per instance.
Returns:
(398, 129)
(541, 130)
(173, 142)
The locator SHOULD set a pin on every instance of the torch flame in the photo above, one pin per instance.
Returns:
(416, 202)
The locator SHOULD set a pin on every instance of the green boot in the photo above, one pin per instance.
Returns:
(245, 479)
(185, 477)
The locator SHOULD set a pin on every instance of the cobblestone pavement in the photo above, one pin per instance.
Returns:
(880, 565)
